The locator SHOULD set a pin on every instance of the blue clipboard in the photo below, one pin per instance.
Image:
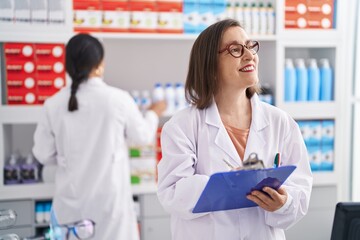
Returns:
(228, 190)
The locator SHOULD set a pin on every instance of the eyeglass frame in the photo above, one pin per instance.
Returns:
(227, 47)
(71, 228)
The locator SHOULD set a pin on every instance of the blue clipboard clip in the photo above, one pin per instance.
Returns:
(228, 190)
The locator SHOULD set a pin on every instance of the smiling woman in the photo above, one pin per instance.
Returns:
(228, 121)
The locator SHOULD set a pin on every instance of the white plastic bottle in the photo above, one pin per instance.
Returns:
(262, 19)
(158, 93)
(239, 13)
(180, 101)
(270, 19)
(247, 17)
(145, 100)
(170, 99)
(255, 15)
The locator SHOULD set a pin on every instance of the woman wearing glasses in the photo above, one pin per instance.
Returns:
(228, 121)
(84, 131)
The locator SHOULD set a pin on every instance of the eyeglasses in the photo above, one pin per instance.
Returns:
(83, 229)
(237, 50)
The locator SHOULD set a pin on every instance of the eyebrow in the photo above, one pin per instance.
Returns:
(236, 42)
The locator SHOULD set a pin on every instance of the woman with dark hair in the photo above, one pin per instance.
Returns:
(228, 121)
(84, 131)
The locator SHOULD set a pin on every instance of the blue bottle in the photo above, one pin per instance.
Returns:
(326, 81)
(314, 80)
(301, 80)
(290, 81)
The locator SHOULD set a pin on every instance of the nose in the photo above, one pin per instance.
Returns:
(248, 54)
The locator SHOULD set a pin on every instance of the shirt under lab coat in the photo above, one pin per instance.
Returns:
(194, 142)
(90, 150)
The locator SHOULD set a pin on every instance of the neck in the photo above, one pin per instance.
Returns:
(234, 108)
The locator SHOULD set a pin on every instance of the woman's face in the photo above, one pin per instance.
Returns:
(237, 73)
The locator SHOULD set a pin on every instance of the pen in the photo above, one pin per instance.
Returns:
(229, 164)
(277, 160)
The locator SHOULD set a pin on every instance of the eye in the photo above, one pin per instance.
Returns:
(235, 49)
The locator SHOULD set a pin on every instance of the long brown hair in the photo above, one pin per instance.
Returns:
(201, 83)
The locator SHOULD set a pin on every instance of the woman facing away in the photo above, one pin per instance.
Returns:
(84, 130)
(228, 121)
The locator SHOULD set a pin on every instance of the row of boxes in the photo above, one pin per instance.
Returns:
(34, 71)
(310, 14)
(124, 16)
(32, 11)
(319, 140)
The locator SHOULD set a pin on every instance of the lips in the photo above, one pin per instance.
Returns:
(248, 68)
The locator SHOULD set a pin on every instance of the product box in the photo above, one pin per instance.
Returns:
(50, 52)
(50, 82)
(19, 66)
(296, 13)
(142, 169)
(315, 157)
(305, 130)
(206, 15)
(21, 81)
(191, 16)
(46, 66)
(320, 14)
(21, 97)
(315, 133)
(56, 12)
(19, 51)
(87, 15)
(116, 16)
(143, 16)
(219, 10)
(39, 11)
(328, 132)
(327, 158)
(7, 11)
(22, 12)
(170, 16)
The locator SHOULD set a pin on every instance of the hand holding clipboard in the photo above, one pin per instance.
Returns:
(228, 190)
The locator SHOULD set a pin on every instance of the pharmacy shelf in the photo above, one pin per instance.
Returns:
(166, 36)
(310, 110)
(46, 190)
(325, 179)
(315, 36)
(21, 114)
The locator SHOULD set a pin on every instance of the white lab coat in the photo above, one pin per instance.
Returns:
(194, 142)
(89, 146)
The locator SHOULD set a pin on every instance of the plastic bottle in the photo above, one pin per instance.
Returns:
(255, 15)
(301, 80)
(326, 80)
(290, 81)
(136, 96)
(12, 170)
(314, 80)
(180, 101)
(170, 98)
(29, 170)
(247, 17)
(158, 93)
(145, 101)
(270, 19)
(239, 15)
(262, 19)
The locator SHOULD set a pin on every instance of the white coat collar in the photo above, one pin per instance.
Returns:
(256, 140)
(95, 81)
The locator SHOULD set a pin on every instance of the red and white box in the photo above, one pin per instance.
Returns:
(19, 50)
(143, 16)
(21, 97)
(50, 52)
(116, 16)
(87, 15)
(170, 16)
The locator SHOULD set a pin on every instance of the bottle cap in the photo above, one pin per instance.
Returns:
(300, 63)
(312, 63)
(324, 63)
(289, 63)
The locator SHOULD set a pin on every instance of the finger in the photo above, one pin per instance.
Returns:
(263, 197)
(272, 193)
(258, 201)
(282, 191)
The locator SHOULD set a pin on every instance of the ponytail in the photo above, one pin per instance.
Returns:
(83, 54)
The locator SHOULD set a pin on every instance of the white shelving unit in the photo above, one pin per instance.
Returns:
(138, 61)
